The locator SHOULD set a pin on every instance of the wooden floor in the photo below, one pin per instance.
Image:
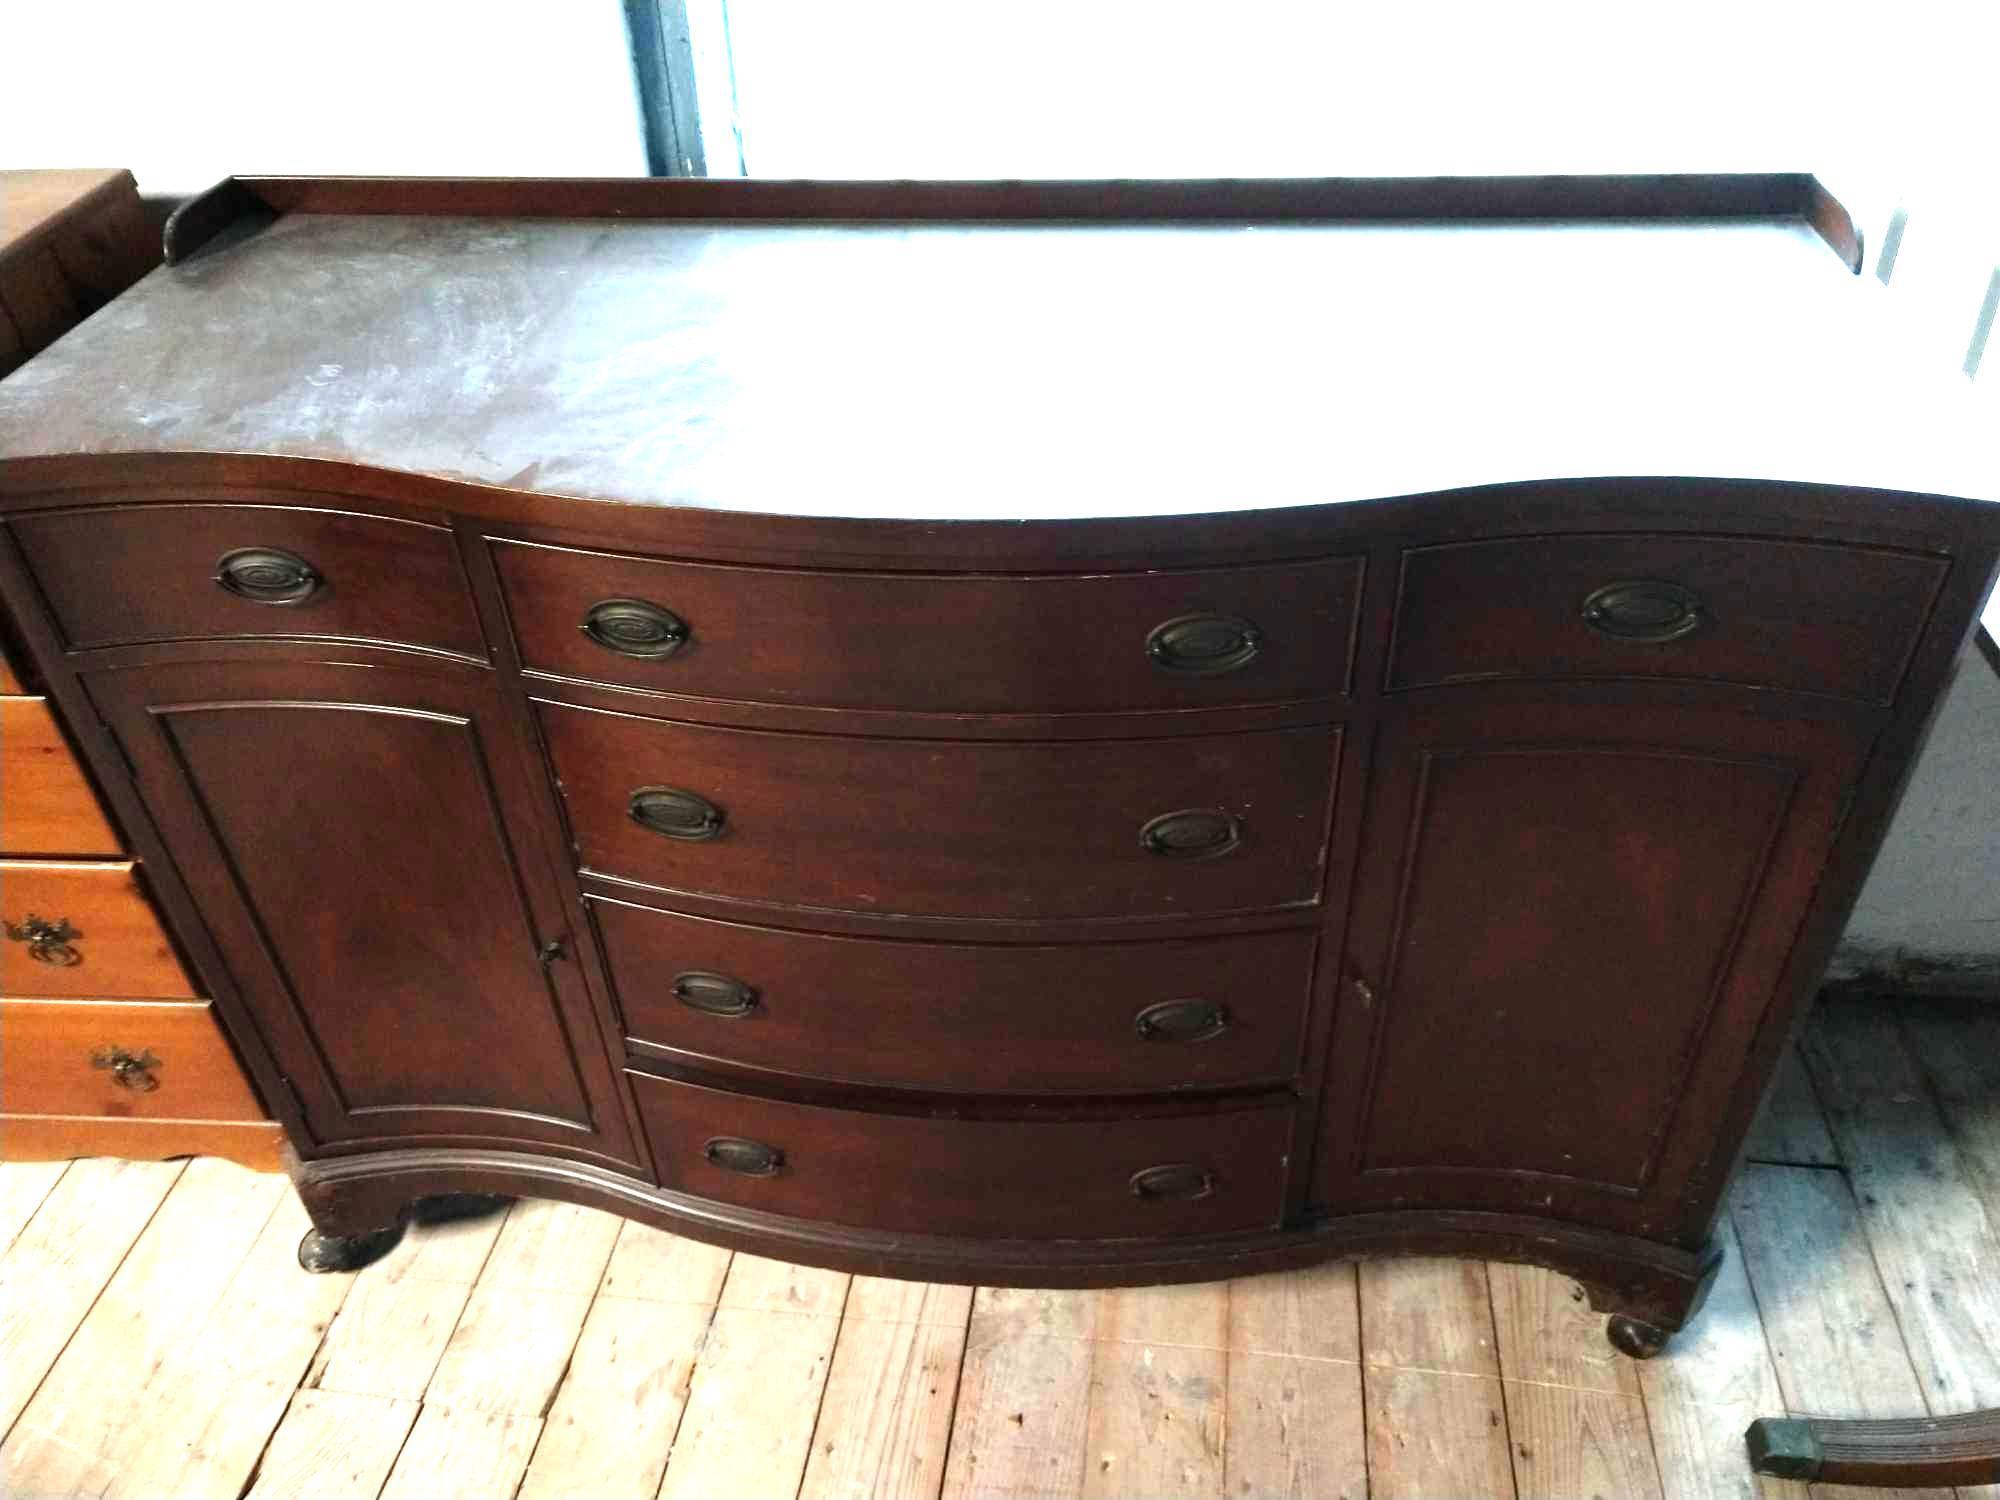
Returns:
(158, 1340)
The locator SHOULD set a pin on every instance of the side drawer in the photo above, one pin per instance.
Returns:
(46, 803)
(1107, 642)
(124, 573)
(83, 931)
(998, 1179)
(994, 829)
(972, 1018)
(1803, 617)
(119, 1059)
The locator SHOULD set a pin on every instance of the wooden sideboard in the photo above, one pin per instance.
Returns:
(1036, 735)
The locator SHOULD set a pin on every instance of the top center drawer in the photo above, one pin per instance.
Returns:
(933, 642)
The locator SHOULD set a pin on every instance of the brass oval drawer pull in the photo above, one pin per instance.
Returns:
(48, 942)
(675, 814)
(1181, 1021)
(714, 994)
(1204, 645)
(733, 1153)
(1173, 1182)
(635, 627)
(268, 575)
(1645, 610)
(1192, 833)
(127, 1070)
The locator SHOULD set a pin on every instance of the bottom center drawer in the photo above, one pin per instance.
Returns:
(996, 1179)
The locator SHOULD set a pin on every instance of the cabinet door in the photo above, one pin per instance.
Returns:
(359, 839)
(1568, 923)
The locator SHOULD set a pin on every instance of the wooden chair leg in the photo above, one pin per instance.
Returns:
(1912, 1451)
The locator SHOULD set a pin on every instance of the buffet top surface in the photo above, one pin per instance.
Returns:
(1012, 370)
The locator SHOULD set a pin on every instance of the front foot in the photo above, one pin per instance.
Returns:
(320, 1253)
(1632, 1337)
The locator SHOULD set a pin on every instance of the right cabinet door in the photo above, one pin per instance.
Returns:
(1568, 923)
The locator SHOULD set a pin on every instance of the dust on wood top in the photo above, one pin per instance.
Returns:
(1023, 370)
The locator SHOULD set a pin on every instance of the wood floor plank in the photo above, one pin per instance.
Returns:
(1295, 1428)
(23, 1186)
(608, 1435)
(1549, 1335)
(758, 1284)
(1023, 1395)
(59, 1263)
(1436, 1415)
(333, 1445)
(1433, 1434)
(1939, 1253)
(1314, 1313)
(880, 1299)
(463, 1454)
(663, 1267)
(1569, 1442)
(1159, 1377)
(1958, 1047)
(1791, 1129)
(885, 1418)
(1834, 1341)
(748, 1425)
(514, 1339)
(169, 1284)
(400, 1312)
(1714, 1379)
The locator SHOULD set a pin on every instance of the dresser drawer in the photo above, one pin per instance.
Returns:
(1004, 1179)
(46, 804)
(152, 1060)
(85, 931)
(117, 574)
(950, 644)
(976, 1018)
(1799, 616)
(949, 829)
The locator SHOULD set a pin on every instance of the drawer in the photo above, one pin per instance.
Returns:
(148, 1060)
(46, 804)
(976, 1018)
(1001, 1179)
(1799, 616)
(117, 574)
(940, 643)
(949, 829)
(83, 931)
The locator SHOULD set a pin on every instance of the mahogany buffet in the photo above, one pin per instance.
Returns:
(1051, 734)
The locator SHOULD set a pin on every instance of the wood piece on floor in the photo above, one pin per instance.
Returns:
(23, 1186)
(663, 1267)
(1437, 1421)
(1834, 1342)
(885, 1417)
(73, 1435)
(614, 1420)
(514, 1338)
(1023, 1395)
(1791, 1128)
(748, 1425)
(1158, 1391)
(56, 1267)
(333, 1445)
(463, 1454)
(1938, 1252)
(1713, 1381)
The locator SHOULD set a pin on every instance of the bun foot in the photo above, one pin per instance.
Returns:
(1630, 1336)
(448, 1208)
(320, 1253)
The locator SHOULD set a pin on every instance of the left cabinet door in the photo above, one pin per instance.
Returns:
(361, 839)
